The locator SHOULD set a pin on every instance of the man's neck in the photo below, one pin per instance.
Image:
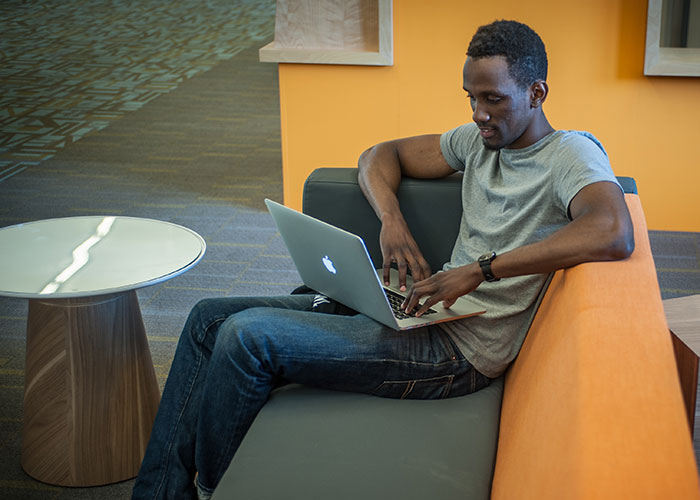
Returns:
(539, 129)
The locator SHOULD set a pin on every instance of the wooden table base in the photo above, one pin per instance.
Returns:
(683, 317)
(90, 393)
(687, 364)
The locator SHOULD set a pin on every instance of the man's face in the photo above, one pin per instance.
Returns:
(501, 107)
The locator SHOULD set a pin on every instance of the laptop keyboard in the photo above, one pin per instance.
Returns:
(396, 300)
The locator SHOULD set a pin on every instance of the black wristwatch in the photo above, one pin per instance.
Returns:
(485, 264)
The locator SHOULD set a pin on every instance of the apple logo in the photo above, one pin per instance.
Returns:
(329, 264)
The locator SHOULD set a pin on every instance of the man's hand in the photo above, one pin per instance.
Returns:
(445, 287)
(398, 246)
(381, 168)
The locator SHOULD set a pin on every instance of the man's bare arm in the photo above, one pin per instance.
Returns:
(601, 230)
(380, 170)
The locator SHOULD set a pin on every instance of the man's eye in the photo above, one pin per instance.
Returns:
(494, 100)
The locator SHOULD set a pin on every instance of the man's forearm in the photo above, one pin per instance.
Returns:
(590, 237)
(382, 166)
(379, 178)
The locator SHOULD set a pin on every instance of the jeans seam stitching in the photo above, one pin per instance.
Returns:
(379, 360)
(448, 388)
(409, 389)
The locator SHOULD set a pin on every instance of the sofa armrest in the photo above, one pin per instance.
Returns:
(592, 405)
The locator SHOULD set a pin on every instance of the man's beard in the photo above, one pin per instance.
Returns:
(492, 147)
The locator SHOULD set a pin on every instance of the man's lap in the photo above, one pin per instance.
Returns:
(350, 353)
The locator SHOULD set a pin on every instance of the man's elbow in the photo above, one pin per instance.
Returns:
(620, 245)
(622, 249)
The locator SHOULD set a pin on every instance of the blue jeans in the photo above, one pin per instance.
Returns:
(234, 351)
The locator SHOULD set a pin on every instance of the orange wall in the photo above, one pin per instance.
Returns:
(649, 125)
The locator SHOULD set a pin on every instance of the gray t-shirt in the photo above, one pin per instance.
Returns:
(511, 198)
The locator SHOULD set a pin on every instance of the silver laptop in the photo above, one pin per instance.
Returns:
(336, 263)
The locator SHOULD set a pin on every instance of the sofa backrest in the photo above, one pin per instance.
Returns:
(432, 210)
(592, 406)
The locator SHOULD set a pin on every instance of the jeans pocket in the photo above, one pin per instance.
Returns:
(428, 388)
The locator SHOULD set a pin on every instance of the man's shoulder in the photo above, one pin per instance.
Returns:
(465, 131)
(578, 142)
(580, 159)
(459, 144)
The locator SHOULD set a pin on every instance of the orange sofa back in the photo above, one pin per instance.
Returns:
(592, 406)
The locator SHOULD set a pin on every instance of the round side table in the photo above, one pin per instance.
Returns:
(90, 390)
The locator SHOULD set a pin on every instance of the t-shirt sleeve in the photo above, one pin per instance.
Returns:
(581, 162)
(456, 145)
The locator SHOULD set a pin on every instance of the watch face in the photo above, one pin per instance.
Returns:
(485, 264)
(487, 257)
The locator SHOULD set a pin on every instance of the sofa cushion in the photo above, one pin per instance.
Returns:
(308, 443)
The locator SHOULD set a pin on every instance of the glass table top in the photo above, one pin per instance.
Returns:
(95, 255)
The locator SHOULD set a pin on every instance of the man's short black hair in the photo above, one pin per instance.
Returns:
(522, 48)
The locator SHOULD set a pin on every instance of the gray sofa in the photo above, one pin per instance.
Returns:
(591, 408)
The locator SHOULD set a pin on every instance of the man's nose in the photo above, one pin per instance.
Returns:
(480, 114)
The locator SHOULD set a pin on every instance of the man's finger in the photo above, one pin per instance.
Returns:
(402, 275)
(417, 265)
(420, 269)
(448, 303)
(429, 302)
(406, 299)
(411, 301)
(386, 270)
(415, 294)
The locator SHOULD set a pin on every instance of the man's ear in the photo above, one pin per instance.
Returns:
(538, 93)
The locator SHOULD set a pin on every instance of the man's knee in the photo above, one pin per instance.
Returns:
(252, 333)
(200, 311)
(244, 327)
(204, 321)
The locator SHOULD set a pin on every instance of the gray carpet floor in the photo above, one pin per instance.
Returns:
(162, 113)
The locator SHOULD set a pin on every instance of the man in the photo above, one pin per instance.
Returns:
(535, 200)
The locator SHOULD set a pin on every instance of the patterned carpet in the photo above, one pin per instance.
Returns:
(158, 109)
(69, 68)
(677, 259)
